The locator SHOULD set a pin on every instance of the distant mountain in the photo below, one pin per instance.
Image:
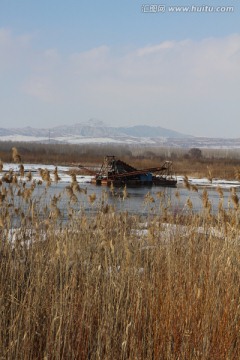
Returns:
(92, 129)
(151, 131)
(89, 129)
(5, 132)
(96, 131)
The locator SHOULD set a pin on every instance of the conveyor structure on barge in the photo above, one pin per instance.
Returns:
(118, 173)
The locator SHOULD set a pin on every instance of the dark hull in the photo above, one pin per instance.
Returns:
(165, 182)
(156, 181)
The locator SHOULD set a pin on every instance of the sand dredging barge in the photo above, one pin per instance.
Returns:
(118, 173)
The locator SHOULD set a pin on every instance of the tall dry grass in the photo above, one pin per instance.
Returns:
(109, 286)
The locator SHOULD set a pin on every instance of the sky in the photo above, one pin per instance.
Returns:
(174, 64)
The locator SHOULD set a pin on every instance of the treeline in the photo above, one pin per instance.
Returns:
(60, 153)
(83, 153)
(74, 153)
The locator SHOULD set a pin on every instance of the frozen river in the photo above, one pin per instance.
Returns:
(142, 200)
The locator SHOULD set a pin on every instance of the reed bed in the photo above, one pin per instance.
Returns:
(115, 285)
(223, 163)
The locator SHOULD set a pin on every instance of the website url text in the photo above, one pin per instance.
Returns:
(159, 8)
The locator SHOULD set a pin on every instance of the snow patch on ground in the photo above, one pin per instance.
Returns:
(23, 138)
(63, 172)
(204, 182)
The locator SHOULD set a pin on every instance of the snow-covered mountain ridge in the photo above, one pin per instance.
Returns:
(92, 128)
(96, 131)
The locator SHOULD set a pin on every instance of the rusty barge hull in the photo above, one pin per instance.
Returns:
(115, 172)
(136, 182)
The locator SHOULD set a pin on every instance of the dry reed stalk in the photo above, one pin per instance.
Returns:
(177, 194)
(189, 204)
(15, 179)
(148, 198)
(125, 193)
(237, 174)
(56, 176)
(29, 176)
(194, 188)
(76, 187)
(205, 199)
(16, 156)
(27, 193)
(209, 175)
(186, 183)
(45, 175)
(189, 186)
(74, 177)
(92, 198)
(220, 191)
(112, 188)
(234, 198)
(7, 178)
(21, 169)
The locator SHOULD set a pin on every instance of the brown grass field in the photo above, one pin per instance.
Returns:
(114, 285)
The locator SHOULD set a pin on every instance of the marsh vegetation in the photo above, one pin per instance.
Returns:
(115, 285)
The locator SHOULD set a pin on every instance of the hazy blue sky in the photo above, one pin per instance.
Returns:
(123, 62)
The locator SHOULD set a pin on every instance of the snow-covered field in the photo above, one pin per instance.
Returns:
(82, 139)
